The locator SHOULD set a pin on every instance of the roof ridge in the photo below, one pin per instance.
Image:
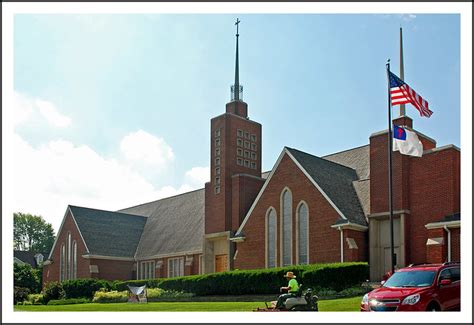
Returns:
(162, 199)
(338, 152)
(326, 160)
(128, 214)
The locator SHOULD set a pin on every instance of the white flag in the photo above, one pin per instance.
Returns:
(406, 142)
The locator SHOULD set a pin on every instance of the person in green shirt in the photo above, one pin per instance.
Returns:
(292, 290)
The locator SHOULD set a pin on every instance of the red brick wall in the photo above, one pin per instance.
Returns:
(455, 244)
(359, 254)
(436, 253)
(51, 271)
(112, 269)
(434, 193)
(244, 191)
(324, 241)
(218, 207)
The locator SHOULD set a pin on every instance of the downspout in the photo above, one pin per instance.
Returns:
(342, 244)
(449, 242)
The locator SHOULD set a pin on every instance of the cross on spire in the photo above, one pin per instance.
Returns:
(237, 24)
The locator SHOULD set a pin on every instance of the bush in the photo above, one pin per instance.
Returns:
(84, 288)
(122, 285)
(53, 291)
(334, 276)
(156, 294)
(26, 277)
(111, 296)
(36, 299)
(20, 294)
(69, 301)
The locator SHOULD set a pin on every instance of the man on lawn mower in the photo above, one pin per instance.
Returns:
(292, 290)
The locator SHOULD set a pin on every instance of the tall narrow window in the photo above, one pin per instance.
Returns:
(271, 238)
(68, 261)
(303, 234)
(62, 263)
(286, 227)
(74, 260)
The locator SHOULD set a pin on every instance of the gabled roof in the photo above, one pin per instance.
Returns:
(108, 233)
(337, 183)
(174, 225)
(356, 158)
(28, 257)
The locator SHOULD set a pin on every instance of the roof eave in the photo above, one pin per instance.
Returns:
(441, 224)
(350, 226)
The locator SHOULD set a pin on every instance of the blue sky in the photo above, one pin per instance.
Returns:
(114, 110)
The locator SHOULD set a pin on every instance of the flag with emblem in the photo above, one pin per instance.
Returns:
(401, 93)
(406, 142)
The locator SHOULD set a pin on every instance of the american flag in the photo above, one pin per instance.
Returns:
(401, 93)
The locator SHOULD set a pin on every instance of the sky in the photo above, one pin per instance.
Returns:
(112, 111)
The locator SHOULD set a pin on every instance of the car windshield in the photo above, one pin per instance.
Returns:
(410, 279)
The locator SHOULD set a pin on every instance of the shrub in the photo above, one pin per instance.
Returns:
(36, 299)
(122, 285)
(69, 301)
(111, 296)
(26, 277)
(156, 294)
(334, 276)
(20, 294)
(84, 288)
(53, 291)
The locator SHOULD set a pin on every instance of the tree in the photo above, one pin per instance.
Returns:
(25, 276)
(32, 233)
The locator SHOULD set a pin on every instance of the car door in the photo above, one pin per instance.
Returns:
(446, 292)
(456, 278)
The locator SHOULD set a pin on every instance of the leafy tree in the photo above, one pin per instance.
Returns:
(32, 233)
(25, 276)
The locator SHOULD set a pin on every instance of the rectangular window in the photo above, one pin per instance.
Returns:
(218, 171)
(218, 132)
(247, 154)
(239, 133)
(253, 155)
(253, 146)
(247, 145)
(239, 142)
(253, 165)
(218, 180)
(246, 163)
(239, 152)
(218, 142)
(253, 137)
(147, 270)
(239, 161)
(218, 161)
(217, 189)
(218, 151)
(175, 267)
(247, 135)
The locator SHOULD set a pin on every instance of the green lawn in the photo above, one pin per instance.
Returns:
(345, 304)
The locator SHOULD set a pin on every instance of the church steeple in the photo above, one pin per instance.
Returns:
(236, 89)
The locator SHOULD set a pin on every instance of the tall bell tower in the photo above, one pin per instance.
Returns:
(235, 168)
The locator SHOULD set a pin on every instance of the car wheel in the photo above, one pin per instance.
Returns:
(433, 307)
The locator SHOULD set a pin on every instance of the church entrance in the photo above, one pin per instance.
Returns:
(221, 263)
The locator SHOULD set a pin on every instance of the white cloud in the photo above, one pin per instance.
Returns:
(24, 107)
(50, 113)
(145, 149)
(198, 176)
(407, 17)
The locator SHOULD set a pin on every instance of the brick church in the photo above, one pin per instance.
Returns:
(306, 209)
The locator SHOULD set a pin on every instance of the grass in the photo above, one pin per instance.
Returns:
(344, 304)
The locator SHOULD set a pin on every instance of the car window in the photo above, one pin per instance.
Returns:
(445, 274)
(455, 274)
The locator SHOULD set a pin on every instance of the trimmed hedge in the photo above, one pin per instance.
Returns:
(336, 276)
(84, 288)
(122, 285)
(73, 301)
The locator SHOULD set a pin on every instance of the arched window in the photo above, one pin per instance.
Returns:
(62, 262)
(74, 260)
(302, 216)
(68, 261)
(271, 238)
(286, 227)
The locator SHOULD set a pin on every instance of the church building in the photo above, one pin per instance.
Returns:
(306, 209)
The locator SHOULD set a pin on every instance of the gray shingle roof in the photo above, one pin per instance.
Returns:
(356, 158)
(109, 233)
(336, 181)
(174, 225)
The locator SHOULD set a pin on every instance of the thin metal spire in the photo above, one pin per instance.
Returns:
(236, 82)
(402, 70)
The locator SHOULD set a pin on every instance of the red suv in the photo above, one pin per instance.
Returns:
(425, 287)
